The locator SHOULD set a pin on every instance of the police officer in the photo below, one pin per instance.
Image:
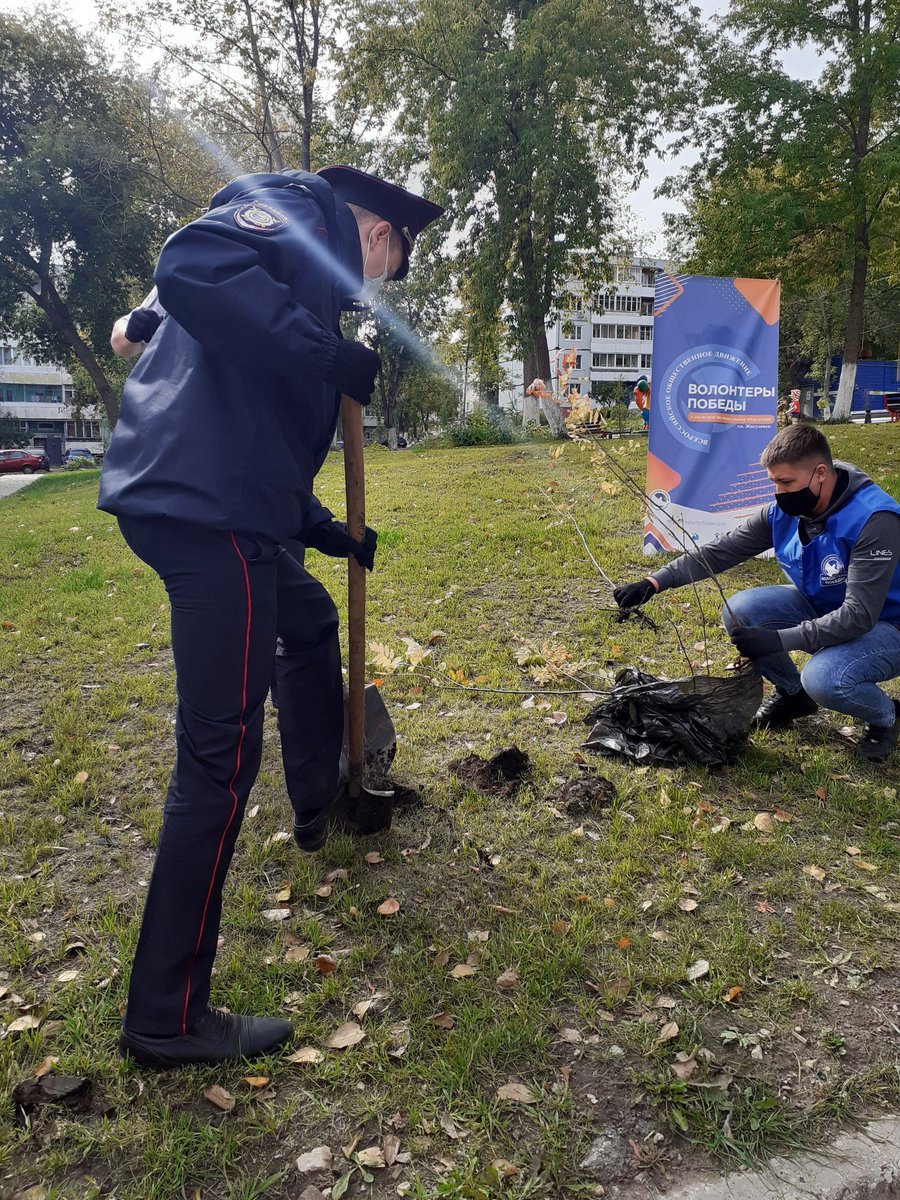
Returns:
(836, 536)
(226, 418)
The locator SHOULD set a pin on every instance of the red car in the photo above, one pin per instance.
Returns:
(24, 461)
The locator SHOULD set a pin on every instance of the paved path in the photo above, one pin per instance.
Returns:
(14, 482)
(862, 1165)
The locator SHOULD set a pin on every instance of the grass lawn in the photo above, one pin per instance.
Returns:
(582, 933)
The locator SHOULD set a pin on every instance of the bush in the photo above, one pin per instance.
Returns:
(79, 464)
(483, 427)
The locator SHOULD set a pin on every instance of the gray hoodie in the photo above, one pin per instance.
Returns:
(869, 573)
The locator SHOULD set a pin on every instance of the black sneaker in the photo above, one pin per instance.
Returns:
(781, 709)
(878, 741)
(217, 1037)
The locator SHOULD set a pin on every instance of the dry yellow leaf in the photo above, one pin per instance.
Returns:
(307, 1055)
(345, 1035)
(388, 907)
(517, 1092)
(218, 1096)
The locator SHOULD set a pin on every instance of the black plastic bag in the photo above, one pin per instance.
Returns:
(701, 719)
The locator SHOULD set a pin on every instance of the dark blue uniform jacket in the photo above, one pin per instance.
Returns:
(227, 416)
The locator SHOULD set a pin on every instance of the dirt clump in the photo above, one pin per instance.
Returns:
(585, 796)
(501, 775)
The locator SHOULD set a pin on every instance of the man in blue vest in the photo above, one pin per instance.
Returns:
(226, 419)
(836, 536)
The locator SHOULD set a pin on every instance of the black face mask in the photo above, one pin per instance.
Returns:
(800, 503)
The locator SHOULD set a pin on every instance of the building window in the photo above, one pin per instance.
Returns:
(648, 276)
(578, 332)
(646, 333)
(68, 395)
(577, 362)
(646, 309)
(646, 360)
(596, 331)
(85, 430)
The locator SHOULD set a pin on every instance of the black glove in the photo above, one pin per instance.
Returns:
(633, 595)
(354, 371)
(754, 642)
(142, 324)
(332, 538)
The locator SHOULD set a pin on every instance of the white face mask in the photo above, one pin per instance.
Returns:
(370, 287)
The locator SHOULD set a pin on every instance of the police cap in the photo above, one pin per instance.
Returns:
(407, 212)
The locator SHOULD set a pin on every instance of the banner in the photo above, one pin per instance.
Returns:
(712, 406)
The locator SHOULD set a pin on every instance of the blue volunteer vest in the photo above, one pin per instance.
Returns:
(819, 570)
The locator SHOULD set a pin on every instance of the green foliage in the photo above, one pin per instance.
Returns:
(13, 434)
(483, 427)
(524, 111)
(82, 212)
(799, 178)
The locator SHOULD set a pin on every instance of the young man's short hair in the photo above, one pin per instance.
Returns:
(795, 444)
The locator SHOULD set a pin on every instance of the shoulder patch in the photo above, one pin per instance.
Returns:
(260, 218)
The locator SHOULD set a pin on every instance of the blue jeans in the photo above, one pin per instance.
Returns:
(842, 677)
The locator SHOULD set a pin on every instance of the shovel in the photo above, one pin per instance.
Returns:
(371, 739)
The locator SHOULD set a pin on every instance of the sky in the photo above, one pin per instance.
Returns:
(648, 210)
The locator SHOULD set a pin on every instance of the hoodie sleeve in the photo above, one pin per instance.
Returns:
(230, 279)
(870, 572)
(751, 537)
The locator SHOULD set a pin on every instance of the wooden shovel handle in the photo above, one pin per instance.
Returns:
(355, 483)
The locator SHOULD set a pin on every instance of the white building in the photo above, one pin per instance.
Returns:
(42, 396)
(610, 333)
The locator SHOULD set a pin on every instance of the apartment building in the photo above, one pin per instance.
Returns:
(42, 396)
(610, 333)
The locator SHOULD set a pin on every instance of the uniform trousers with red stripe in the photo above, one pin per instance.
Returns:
(235, 601)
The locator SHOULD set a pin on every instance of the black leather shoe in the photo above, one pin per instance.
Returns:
(215, 1038)
(781, 709)
(878, 741)
(311, 833)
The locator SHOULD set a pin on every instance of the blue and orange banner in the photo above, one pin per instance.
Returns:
(713, 405)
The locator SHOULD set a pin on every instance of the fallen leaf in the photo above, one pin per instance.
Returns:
(668, 1031)
(686, 904)
(697, 970)
(81, 777)
(571, 1037)
(68, 976)
(257, 1081)
(504, 1168)
(508, 981)
(324, 891)
(852, 850)
(665, 1002)
(446, 1123)
(374, 857)
(307, 1055)
(463, 971)
(764, 907)
(721, 825)
(325, 964)
(345, 1035)
(781, 815)
(296, 954)
(660, 935)
(478, 935)
(863, 865)
(684, 1067)
(400, 1035)
(814, 872)
(45, 1066)
(337, 873)
(391, 1144)
(218, 1097)
(441, 958)
(284, 895)
(388, 907)
(732, 994)
(623, 943)
(821, 793)
(517, 1092)
(372, 1156)
(276, 914)
(561, 928)
(763, 822)
(22, 1024)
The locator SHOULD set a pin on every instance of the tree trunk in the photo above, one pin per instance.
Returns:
(531, 406)
(844, 401)
(58, 315)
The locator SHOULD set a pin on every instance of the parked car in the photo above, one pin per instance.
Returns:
(25, 461)
(77, 452)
